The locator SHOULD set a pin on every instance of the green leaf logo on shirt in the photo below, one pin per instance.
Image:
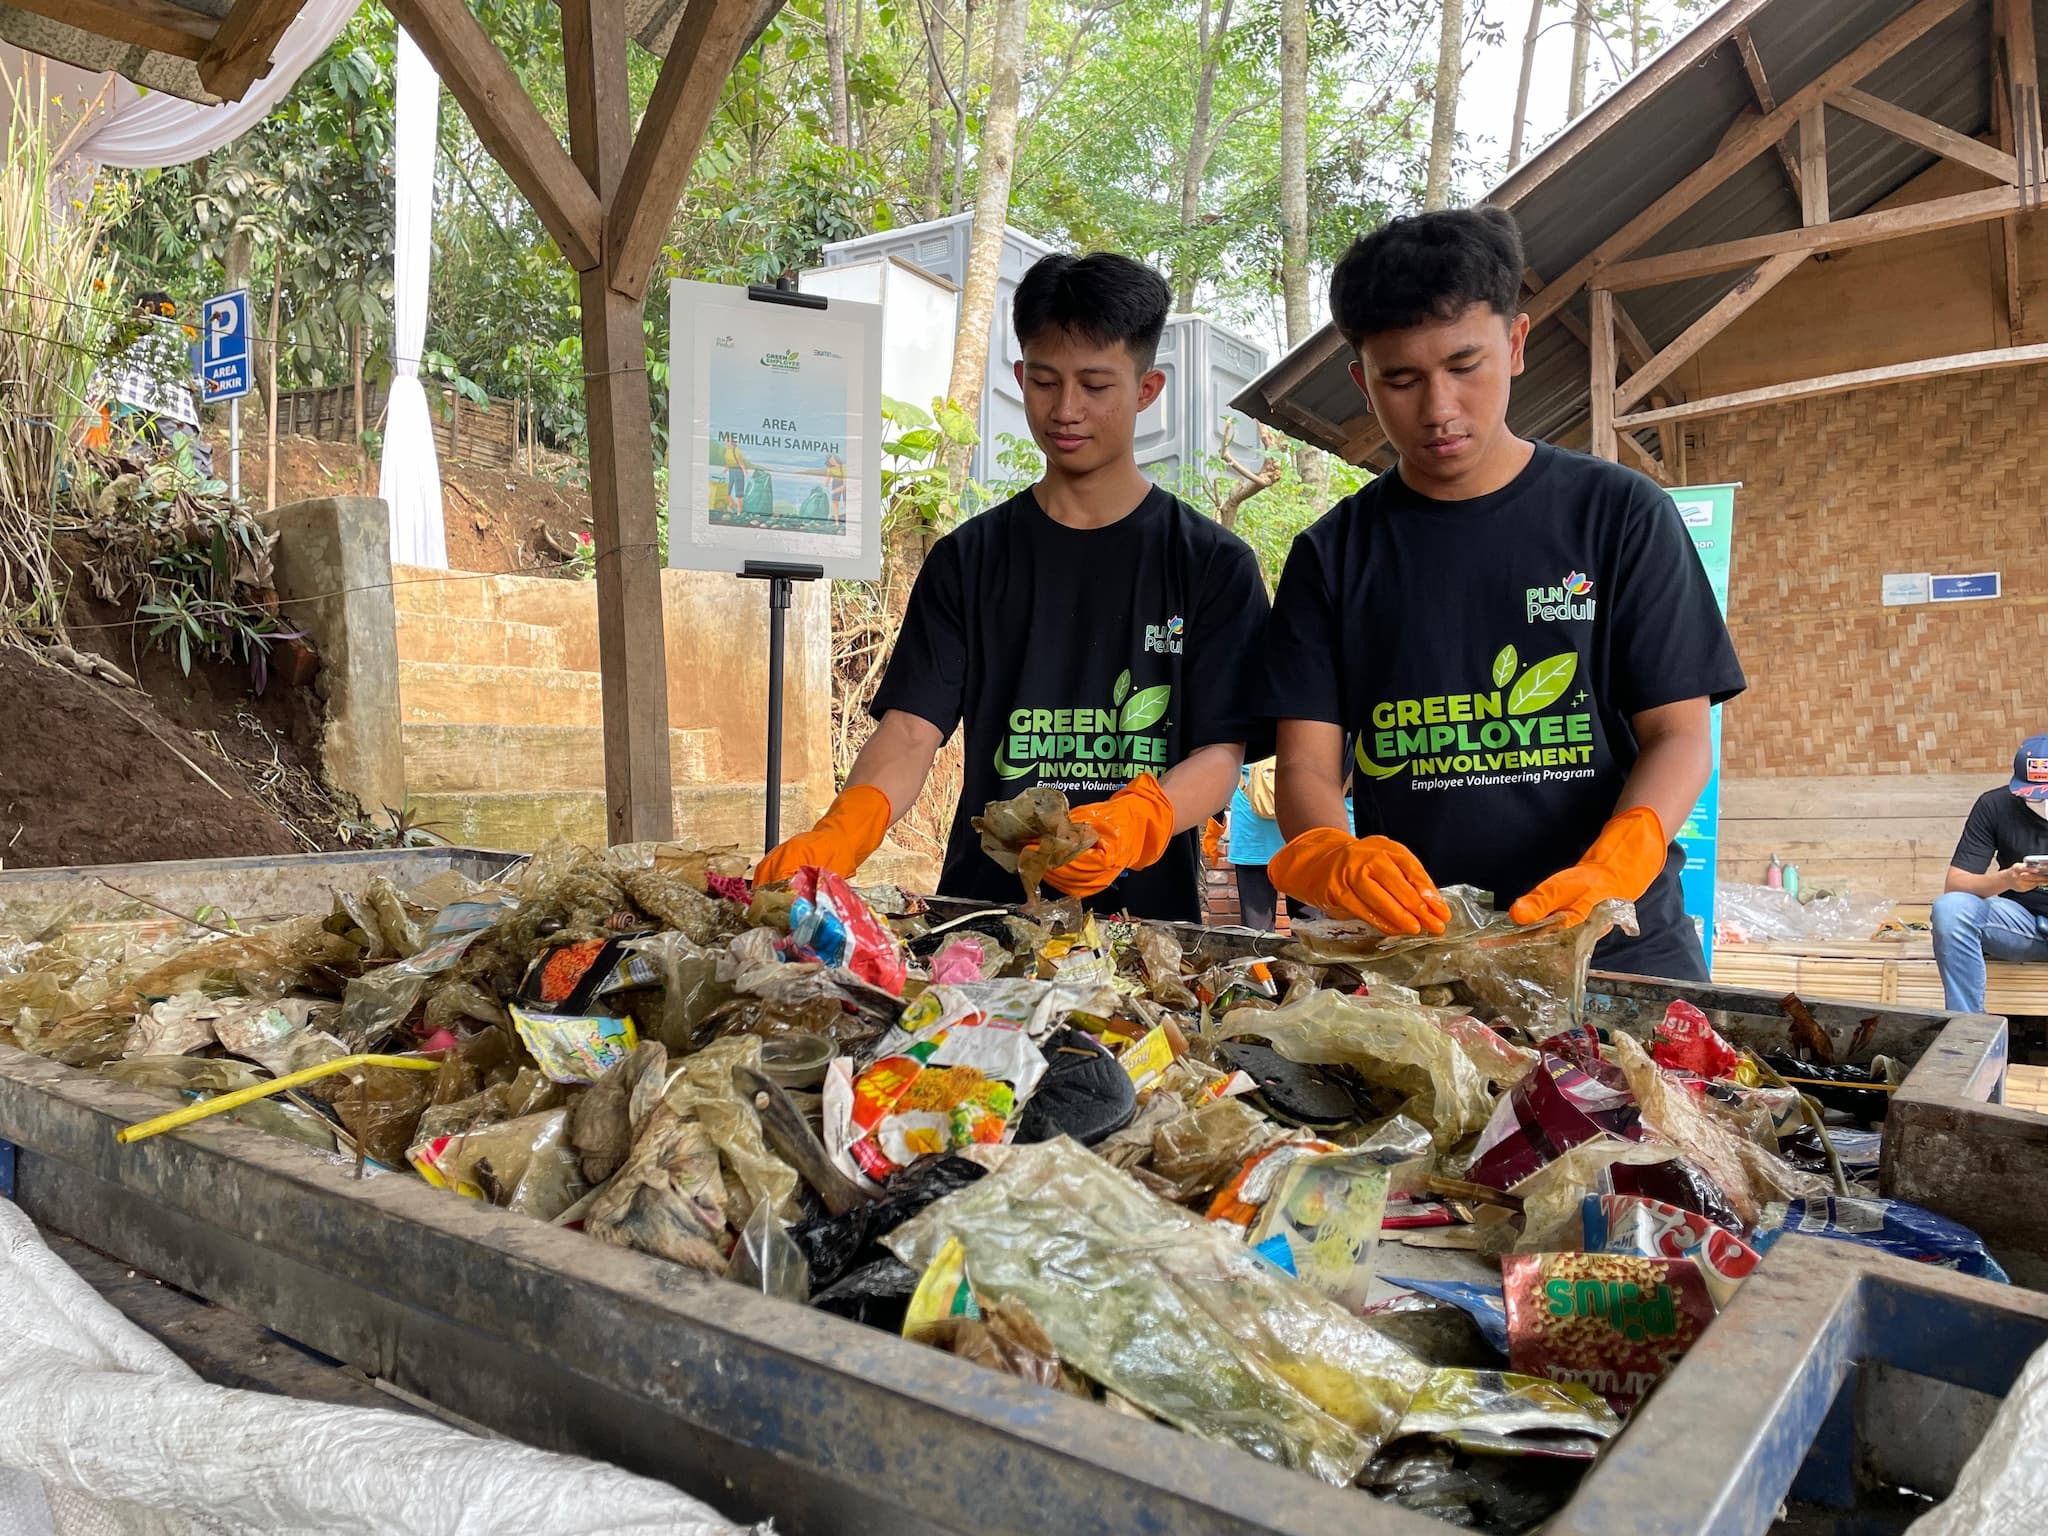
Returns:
(1007, 770)
(1543, 684)
(1123, 687)
(1504, 666)
(1144, 707)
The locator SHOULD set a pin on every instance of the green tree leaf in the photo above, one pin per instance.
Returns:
(1544, 683)
(1123, 688)
(1144, 707)
(1504, 666)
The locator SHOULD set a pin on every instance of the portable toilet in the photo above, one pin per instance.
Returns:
(920, 312)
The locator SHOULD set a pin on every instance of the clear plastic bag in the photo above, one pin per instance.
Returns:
(702, 1087)
(1398, 1047)
(767, 1260)
(1764, 914)
(523, 1165)
(1157, 1304)
(1196, 1154)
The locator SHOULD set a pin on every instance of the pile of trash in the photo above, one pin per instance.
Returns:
(1384, 1210)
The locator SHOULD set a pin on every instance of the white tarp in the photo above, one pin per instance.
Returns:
(104, 1432)
(2004, 1487)
(409, 477)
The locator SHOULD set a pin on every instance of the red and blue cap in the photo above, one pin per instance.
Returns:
(2030, 769)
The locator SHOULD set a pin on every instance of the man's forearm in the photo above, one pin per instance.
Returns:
(896, 760)
(1995, 882)
(1308, 782)
(1200, 784)
(1668, 777)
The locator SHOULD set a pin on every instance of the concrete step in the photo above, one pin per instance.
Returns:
(443, 693)
(465, 757)
(445, 638)
(520, 599)
(711, 815)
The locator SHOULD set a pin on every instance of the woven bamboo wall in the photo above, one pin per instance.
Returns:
(1947, 475)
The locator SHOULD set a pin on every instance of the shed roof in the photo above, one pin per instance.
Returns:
(1636, 145)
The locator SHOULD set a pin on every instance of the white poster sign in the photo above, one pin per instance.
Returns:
(774, 440)
(1901, 588)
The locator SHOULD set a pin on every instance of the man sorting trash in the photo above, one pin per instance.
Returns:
(1522, 638)
(1093, 634)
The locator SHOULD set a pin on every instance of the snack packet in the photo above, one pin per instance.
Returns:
(1327, 1210)
(1502, 1414)
(1687, 1042)
(573, 1048)
(829, 923)
(1614, 1322)
(1554, 1108)
(1257, 1179)
(1654, 1230)
(1890, 1226)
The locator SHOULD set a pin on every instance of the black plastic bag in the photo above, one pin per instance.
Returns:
(1085, 1093)
(835, 1245)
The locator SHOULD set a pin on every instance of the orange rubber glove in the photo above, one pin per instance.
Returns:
(1374, 878)
(1624, 859)
(841, 841)
(1132, 828)
(1212, 840)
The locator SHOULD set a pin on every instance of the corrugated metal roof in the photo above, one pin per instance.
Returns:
(652, 24)
(1629, 150)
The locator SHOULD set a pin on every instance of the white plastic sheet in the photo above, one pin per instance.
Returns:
(104, 1432)
(144, 131)
(409, 477)
(2004, 1487)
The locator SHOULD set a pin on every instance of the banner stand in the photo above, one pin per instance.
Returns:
(781, 581)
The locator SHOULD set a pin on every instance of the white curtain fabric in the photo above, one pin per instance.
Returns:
(409, 478)
(147, 131)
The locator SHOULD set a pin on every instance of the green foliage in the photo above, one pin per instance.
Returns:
(916, 494)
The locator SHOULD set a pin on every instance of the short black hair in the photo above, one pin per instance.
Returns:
(1428, 266)
(1101, 296)
(154, 301)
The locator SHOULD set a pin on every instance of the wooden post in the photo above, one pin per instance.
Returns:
(1813, 165)
(1603, 444)
(632, 654)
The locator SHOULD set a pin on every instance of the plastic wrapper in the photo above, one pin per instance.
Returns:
(601, 1120)
(378, 1001)
(1890, 1226)
(1504, 1494)
(1159, 957)
(1401, 1048)
(830, 924)
(766, 1260)
(1500, 1060)
(953, 1073)
(1004, 1338)
(1243, 983)
(1031, 834)
(524, 1165)
(702, 1087)
(1612, 1322)
(379, 1106)
(1533, 976)
(282, 1036)
(1678, 1181)
(1764, 914)
(672, 901)
(1709, 1136)
(174, 1026)
(1156, 1304)
(668, 1198)
(1553, 1198)
(853, 1012)
(1686, 1042)
(1325, 1217)
(1484, 1304)
(834, 1246)
(875, 1293)
(1552, 1110)
(528, 1093)
(1502, 1414)
(1238, 1203)
(686, 974)
(575, 1049)
(1198, 1152)
(963, 957)
(181, 1075)
(1654, 1230)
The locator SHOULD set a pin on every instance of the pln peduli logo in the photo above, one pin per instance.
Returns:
(1570, 599)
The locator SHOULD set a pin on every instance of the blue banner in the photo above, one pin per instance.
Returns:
(1709, 515)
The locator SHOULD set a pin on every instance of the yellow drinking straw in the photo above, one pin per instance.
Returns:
(222, 1103)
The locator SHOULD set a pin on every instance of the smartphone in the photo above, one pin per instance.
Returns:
(2037, 863)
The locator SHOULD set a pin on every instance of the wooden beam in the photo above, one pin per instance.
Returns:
(1767, 130)
(632, 653)
(1634, 347)
(1631, 345)
(240, 52)
(1926, 133)
(1652, 465)
(1843, 234)
(708, 41)
(508, 123)
(1706, 328)
(1602, 441)
(2023, 67)
(1766, 101)
(1813, 165)
(2002, 125)
(153, 24)
(1840, 383)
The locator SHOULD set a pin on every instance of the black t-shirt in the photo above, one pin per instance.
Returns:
(1079, 659)
(2002, 831)
(1489, 654)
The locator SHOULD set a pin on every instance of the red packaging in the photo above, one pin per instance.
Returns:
(1686, 1042)
(1614, 1322)
(1633, 1224)
(1554, 1108)
(830, 923)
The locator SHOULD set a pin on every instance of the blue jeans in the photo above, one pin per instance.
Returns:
(1968, 930)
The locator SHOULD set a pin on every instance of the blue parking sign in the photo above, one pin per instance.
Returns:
(224, 370)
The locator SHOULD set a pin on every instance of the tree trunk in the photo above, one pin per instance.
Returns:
(993, 163)
(355, 362)
(1635, 35)
(1516, 136)
(1443, 121)
(1582, 56)
(935, 131)
(270, 410)
(1294, 245)
(1195, 169)
(960, 91)
(835, 64)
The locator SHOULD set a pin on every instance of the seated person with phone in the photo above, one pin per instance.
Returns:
(1999, 913)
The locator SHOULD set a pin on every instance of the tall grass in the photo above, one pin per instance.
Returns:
(55, 314)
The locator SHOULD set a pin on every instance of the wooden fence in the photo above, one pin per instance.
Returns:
(462, 429)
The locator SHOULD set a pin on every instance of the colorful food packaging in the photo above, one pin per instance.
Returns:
(828, 922)
(1239, 1202)
(1687, 1042)
(575, 1048)
(1501, 1414)
(1554, 1108)
(1327, 1209)
(942, 1291)
(1614, 1322)
(1484, 1303)
(1890, 1226)
(1147, 1058)
(1652, 1229)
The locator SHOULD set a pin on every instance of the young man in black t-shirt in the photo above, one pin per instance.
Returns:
(1095, 634)
(2000, 912)
(1522, 639)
